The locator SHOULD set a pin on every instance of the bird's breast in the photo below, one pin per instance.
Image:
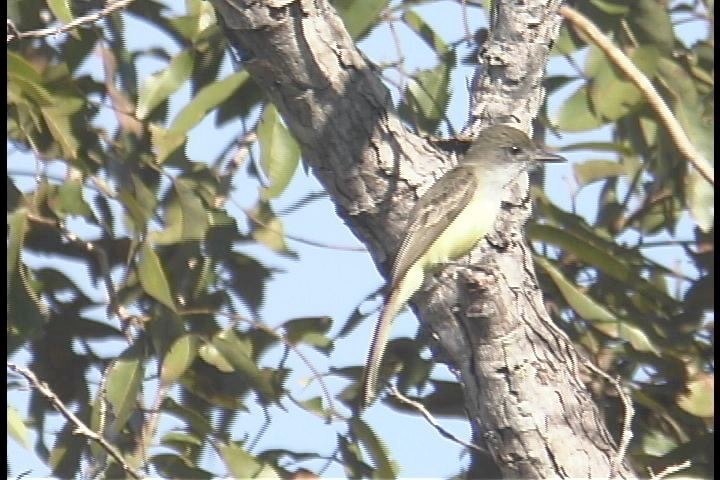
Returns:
(463, 233)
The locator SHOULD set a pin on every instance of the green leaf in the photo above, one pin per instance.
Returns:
(58, 122)
(566, 43)
(699, 127)
(175, 466)
(385, 467)
(238, 354)
(699, 399)
(361, 16)
(152, 277)
(180, 356)
(593, 170)
(158, 87)
(212, 356)
(601, 318)
(248, 279)
(657, 443)
(196, 421)
(315, 406)
(575, 114)
(186, 218)
(242, 464)
(428, 95)
(651, 24)
(69, 200)
(16, 427)
(621, 264)
(26, 311)
(206, 99)
(123, 384)
(310, 330)
(612, 96)
(18, 226)
(279, 152)
(19, 67)
(61, 10)
(612, 7)
(25, 80)
(165, 142)
(267, 228)
(425, 31)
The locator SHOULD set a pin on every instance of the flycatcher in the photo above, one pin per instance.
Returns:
(456, 212)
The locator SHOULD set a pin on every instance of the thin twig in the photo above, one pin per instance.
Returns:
(620, 60)
(670, 470)
(48, 32)
(81, 428)
(429, 417)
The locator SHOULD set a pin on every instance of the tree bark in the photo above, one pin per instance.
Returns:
(518, 371)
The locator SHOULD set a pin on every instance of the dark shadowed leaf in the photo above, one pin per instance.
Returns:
(175, 466)
(310, 330)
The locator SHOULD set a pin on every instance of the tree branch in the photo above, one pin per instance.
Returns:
(81, 428)
(665, 115)
(520, 378)
(14, 34)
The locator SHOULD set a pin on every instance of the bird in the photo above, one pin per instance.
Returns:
(456, 212)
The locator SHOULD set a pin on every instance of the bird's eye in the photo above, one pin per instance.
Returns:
(515, 150)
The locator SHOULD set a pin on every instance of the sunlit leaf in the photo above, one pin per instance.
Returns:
(242, 464)
(310, 330)
(179, 358)
(123, 384)
(428, 95)
(600, 317)
(158, 87)
(16, 427)
(205, 100)
(152, 277)
(575, 114)
(699, 400)
(359, 17)
(279, 153)
(593, 170)
(268, 229)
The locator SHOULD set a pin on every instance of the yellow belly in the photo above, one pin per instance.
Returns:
(473, 223)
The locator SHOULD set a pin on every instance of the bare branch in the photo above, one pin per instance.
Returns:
(15, 34)
(81, 428)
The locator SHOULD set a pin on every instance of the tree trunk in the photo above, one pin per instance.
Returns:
(518, 371)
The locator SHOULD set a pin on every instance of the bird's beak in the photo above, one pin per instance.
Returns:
(547, 157)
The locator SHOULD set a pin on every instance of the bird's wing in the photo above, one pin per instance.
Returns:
(435, 210)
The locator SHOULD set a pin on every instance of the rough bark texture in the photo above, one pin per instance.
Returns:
(518, 371)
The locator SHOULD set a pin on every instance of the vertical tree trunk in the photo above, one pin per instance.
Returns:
(518, 371)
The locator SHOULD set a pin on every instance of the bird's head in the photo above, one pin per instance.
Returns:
(503, 146)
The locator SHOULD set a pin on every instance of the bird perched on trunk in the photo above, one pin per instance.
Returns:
(456, 212)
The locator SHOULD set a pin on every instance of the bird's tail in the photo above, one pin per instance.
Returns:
(397, 299)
